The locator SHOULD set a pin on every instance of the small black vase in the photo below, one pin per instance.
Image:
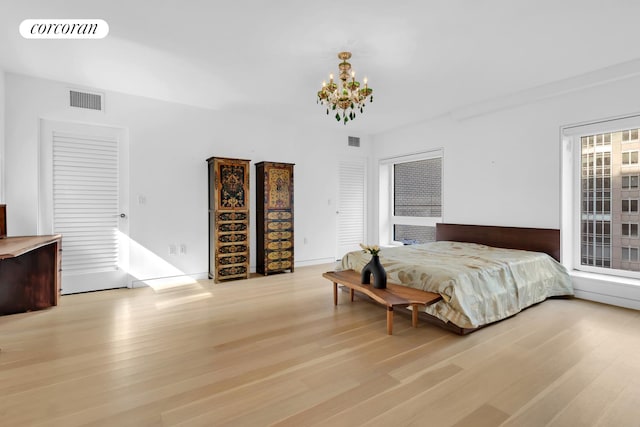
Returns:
(379, 275)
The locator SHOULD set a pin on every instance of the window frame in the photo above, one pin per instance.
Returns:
(571, 200)
(631, 201)
(629, 179)
(627, 229)
(630, 152)
(628, 250)
(386, 196)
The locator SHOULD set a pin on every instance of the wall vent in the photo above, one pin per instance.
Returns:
(354, 141)
(91, 101)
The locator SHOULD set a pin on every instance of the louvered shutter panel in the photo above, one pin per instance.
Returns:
(351, 204)
(85, 201)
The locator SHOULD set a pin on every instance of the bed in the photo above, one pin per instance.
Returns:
(484, 273)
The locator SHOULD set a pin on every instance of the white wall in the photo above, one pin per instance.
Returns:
(503, 167)
(169, 144)
(2, 132)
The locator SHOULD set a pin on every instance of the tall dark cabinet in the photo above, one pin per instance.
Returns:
(228, 218)
(274, 217)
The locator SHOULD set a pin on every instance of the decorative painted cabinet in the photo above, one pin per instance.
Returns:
(228, 218)
(274, 212)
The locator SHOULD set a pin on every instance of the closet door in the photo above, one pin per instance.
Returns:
(84, 197)
(351, 212)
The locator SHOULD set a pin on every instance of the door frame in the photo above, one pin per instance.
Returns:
(45, 179)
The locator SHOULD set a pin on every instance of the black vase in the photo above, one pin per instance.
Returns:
(377, 270)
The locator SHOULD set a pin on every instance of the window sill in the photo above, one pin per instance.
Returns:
(625, 281)
(619, 291)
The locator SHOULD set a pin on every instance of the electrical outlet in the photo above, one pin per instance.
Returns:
(183, 249)
(172, 249)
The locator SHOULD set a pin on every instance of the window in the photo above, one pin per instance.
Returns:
(629, 181)
(601, 197)
(410, 198)
(630, 135)
(630, 229)
(629, 254)
(629, 158)
(629, 205)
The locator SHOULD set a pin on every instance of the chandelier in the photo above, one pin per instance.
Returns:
(346, 96)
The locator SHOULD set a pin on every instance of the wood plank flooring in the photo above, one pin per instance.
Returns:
(275, 351)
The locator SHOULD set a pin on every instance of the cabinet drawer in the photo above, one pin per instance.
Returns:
(232, 249)
(232, 237)
(228, 272)
(232, 226)
(279, 235)
(232, 216)
(279, 225)
(232, 259)
(278, 255)
(280, 244)
(279, 265)
(279, 215)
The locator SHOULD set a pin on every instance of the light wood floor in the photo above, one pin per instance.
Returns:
(276, 351)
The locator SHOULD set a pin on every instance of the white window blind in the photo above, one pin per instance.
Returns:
(85, 201)
(351, 204)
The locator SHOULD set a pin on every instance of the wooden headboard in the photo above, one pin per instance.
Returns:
(545, 240)
(3, 221)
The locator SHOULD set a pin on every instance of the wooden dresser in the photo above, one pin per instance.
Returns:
(274, 217)
(29, 273)
(228, 218)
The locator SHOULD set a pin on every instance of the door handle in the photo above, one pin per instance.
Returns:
(123, 215)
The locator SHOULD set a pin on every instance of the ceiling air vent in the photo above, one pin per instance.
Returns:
(91, 101)
(354, 141)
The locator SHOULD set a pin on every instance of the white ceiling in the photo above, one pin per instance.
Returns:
(423, 58)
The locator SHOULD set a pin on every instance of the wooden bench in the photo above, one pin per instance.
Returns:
(393, 296)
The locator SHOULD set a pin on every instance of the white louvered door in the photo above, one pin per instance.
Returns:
(352, 201)
(86, 204)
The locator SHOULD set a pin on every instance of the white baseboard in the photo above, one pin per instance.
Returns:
(316, 261)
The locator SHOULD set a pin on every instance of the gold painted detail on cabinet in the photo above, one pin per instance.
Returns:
(274, 246)
(232, 216)
(230, 249)
(234, 226)
(279, 265)
(278, 196)
(279, 215)
(227, 238)
(233, 259)
(279, 255)
(278, 235)
(285, 225)
(232, 186)
(232, 271)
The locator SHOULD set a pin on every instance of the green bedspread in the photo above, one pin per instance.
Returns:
(479, 284)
